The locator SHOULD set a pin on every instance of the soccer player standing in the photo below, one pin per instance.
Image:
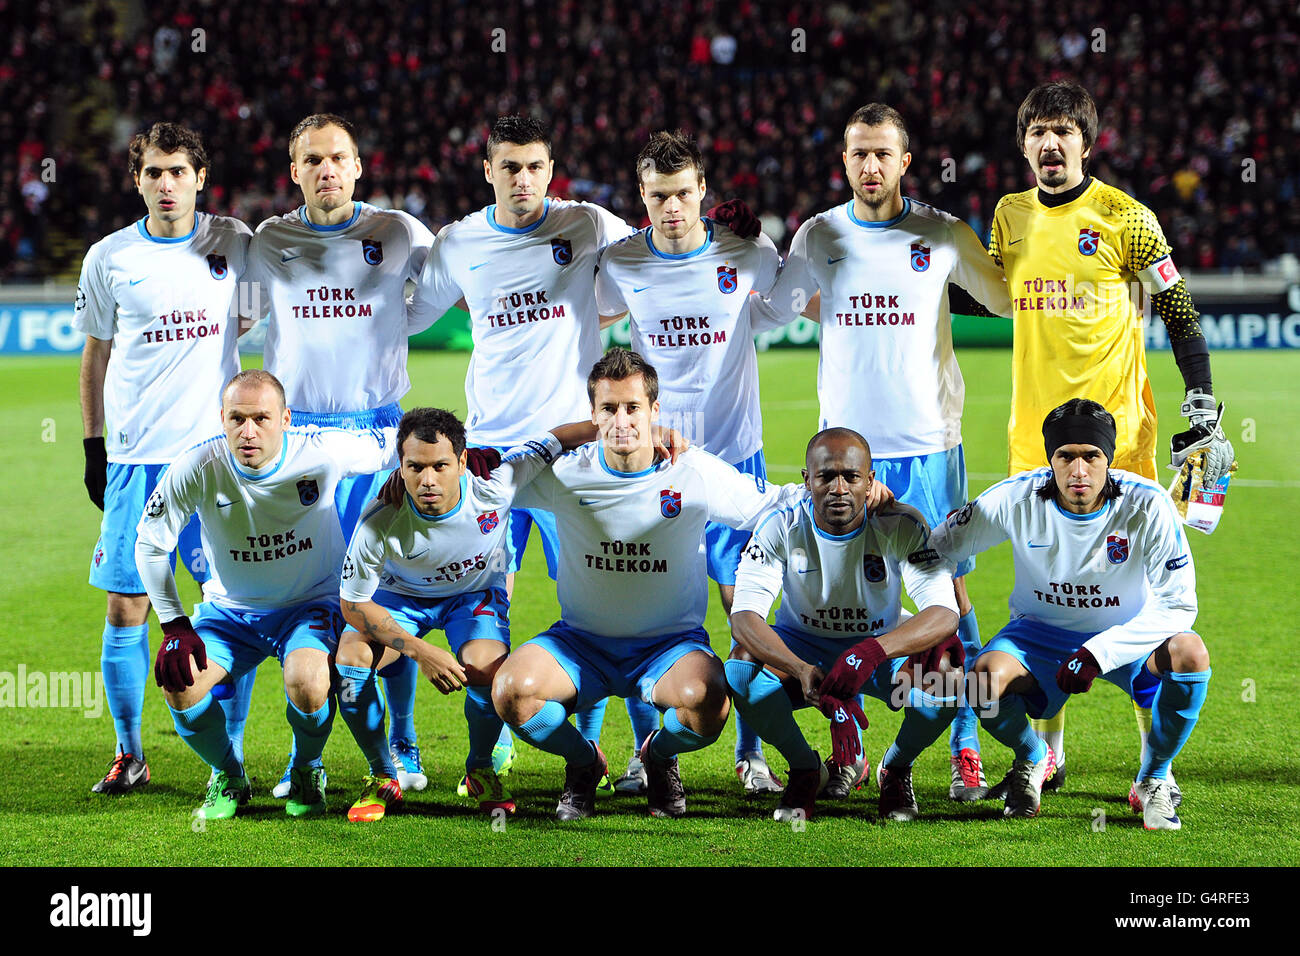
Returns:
(686, 283)
(158, 301)
(335, 271)
(882, 263)
(1104, 587)
(1071, 248)
(840, 573)
(264, 492)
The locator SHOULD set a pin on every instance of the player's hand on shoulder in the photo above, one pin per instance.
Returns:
(394, 489)
(878, 497)
(669, 443)
(96, 475)
(171, 668)
(440, 667)
(481, 461)
(737, 217)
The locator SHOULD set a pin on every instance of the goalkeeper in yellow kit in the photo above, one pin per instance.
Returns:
(1072, 249)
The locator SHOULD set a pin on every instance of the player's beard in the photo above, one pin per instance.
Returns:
(1057, 178)
(881, 197)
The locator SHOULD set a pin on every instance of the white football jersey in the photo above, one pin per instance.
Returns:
(436, 556)
(271, 534)
(171, 308)
(691, 320)
(338, 327)
(846, 586)
(887, 367)
(1124, 571)
(631, 558)
(532, 305)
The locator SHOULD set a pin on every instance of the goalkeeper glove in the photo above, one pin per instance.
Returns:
(852, 670)
(96, 476)
(1205, 433)
(846, 717)
(171, 669)
(1078, 672)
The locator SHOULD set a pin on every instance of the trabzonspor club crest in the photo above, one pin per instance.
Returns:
(727, 282)
(1116, 549)
(670, 503)
(562, 251)
(372, 250)
(308, 491)
(217, 266)
(873, 567)
(920, 257)
(1088, 239)
(487, 522)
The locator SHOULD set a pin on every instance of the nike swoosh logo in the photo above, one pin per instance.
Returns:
(224, 504)
(1032, 545)
(641, 289)
(137, 281)
(831, 262)
(586, 502)
(479, 266)
(284, 258)
(412, 557)
(1014, 241)
(131, 778)
(809, 570)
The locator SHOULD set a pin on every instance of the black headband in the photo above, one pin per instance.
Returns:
(1079, 430)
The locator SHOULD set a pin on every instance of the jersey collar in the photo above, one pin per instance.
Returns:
(826, 534)
(356, 214)
(600, 456)
(452, 513)
(1090, 516)
(907, 209)
(522, 230)
(163, 239)
(260, 474)
(708, 241)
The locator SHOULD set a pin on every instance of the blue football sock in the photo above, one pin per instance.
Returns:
(1173, 715)
(203, 727)
(310, 731)
(766, 707)
(675, 738)
(124, 660)
(362, 709)
(747, 738)
(484, 726)
(644, 718)
(1005, 719)
(400, 679)
(965, 726)
(235, 707)
(549, 729)
(924, 720)
(591, 720)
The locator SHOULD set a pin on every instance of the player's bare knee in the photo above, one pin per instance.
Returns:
(514, 696)
(482, 660)
(127, 610)
(1188, 654)
(354, 651)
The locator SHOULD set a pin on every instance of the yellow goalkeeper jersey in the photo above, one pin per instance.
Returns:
(1070, 273)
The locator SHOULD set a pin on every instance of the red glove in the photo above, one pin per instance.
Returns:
(481, 461)
(737, 217)
(928, 660)
(852, 670)
(171, 669)
(846, 717)
(1078, 672)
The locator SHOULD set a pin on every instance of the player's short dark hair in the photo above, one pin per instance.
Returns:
(519, 131)
(255, 376)
(428, 425)
(167, 138)
(837, 432)
(667, 153)
(1087, 408)
(618, 364)
(320, 121)
(878, 114)
(1060, 100)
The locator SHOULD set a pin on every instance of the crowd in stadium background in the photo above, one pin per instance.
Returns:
(1198, 101)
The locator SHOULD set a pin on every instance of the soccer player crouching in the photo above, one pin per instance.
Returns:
(1104, 587)
(840, 571)
(265, 497)
(435, 558)
(632, 590)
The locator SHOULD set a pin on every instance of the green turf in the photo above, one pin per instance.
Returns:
(1237, 772)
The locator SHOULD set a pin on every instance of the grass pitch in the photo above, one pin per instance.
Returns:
(1237, 772)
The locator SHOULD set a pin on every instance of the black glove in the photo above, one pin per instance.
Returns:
(737, 217)
(96, 477)
(171, 669)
